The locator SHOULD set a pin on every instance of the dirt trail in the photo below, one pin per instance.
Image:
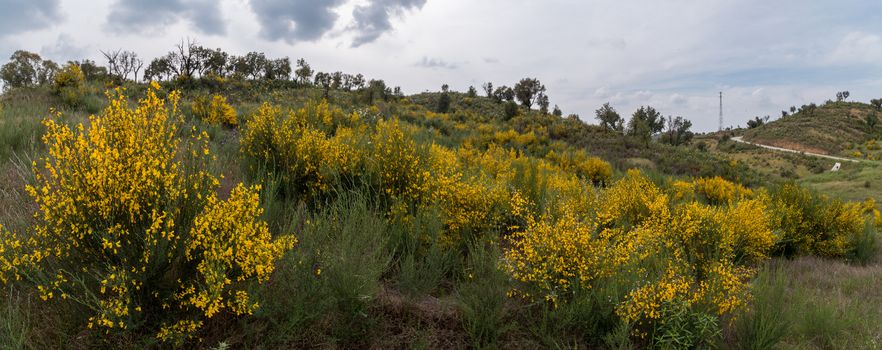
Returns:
(741, 139)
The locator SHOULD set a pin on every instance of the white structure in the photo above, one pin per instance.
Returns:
(836, 166)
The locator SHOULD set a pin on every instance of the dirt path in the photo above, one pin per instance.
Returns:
(741, 139)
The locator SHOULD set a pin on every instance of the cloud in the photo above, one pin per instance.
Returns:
(679, 100)
(435, 63)
(21, 16)
(857, 47)
(295, 20)
(64, 49)
(373, 19)
(140, 16)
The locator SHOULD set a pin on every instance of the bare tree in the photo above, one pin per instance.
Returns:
(121, 64)
(113, 63)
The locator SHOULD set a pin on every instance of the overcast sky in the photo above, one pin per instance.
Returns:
(675, 55)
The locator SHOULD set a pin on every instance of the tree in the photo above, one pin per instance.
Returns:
(678, 132)
(26, 69)
(556, 111)
(504, 93)
(183, 60)
(876, 102)
(358, 81)
(127, 62)
(792, 109)
(277, 69)
(113, 63)
(337, 80)
(543, 102)
(645, 122)
(91, 71)
(443, 100)
(757, 122)
(842, 96)
(609, 118)
(488, 89)
(159, 69)
(808, 109)
(376, 89)
(304, 72)
(324, 80)
(528, 90)
(212, 62)
(472, 92)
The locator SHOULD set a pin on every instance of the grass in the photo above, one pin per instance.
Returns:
(331, 278)
(810, 303)
(854, 182)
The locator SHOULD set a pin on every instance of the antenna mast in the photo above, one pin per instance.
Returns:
(721, 111)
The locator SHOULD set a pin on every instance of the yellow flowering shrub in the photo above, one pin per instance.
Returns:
(630, 201)
(129, 227)
(665, 253)
(69, 76)
(398, 162)
(717, 190)
(309, 159)
(590, 168)
(813, 224)
(468, 203)
(215, 110)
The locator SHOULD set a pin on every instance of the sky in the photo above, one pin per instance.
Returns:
(674, 55)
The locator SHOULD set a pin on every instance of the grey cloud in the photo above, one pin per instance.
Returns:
(491, 60)
(373, 19)
(295, 20)
(141, 15)
(64, 49)
(22, 15)
(435, 63)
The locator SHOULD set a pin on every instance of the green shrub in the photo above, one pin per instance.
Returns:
(328, 283)
(864, 245)
(482, 298)
(764, 324)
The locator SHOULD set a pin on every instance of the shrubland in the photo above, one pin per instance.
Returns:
(270, 214)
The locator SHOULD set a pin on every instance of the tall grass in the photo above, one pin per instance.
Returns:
(15, 321)
(482, 298)
(864, 245)
(326, 285)
(764, 324)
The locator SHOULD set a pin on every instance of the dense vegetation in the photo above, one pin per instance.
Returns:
(218, 208)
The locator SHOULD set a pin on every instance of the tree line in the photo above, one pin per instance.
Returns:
(189, 61)
(645, 123)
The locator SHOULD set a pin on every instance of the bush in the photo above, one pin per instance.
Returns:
(70, 76)
(131, 229)
(301, 150)
(689, 254)
(812, 224)
(215, 110)
(482, 299)
(69, 84)
(329, 281)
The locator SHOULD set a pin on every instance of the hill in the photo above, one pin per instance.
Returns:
(834, 128)
(273, 214)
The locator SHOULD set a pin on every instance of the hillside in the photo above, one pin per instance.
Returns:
(833, 128)
(270, 214)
